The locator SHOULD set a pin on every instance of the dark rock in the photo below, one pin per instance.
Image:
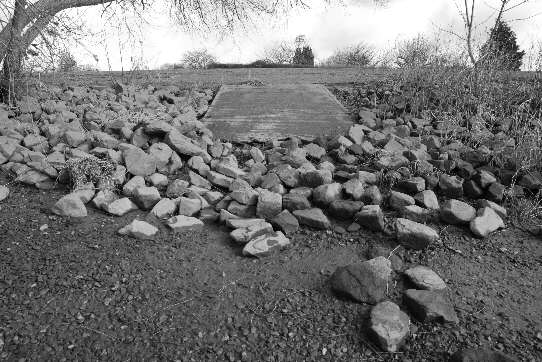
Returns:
(451, 186)
(472, 189)
(427, 306)
(495, 192)
(344, 209)
(286, 222)
(312, 217)
(371, 217)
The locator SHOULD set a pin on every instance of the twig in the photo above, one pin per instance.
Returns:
(96, 331)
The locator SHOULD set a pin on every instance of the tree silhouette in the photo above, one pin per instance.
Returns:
(501, 51)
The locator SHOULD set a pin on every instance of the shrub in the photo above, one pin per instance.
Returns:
(198, 59)
(357, 55)
(501, 51)
(304, 56)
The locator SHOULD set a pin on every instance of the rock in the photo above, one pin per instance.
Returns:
(354, 189)
(389, 325)
(164, 208)
(412, 185)
(246, 196)
(182, 144)
(120, 207)
(198, 181)
(414, 235)
(104, 198)
(486, 222)
(269, 204)
(286, 222)
(228, 169)
(183, 223)
(392, 162)
(371, 217)
(428, 306)
(146, 197)
(213, 197)
(484, 178)
(372, 195)
(495, 192)
(208, 215)
(472, 190)
(367, 178)
(85, 192)
(243, 223)
(398, 200)
(158, 180)
(74, 138)
(480, 355)
(364, 282)
(265, 245)
(356, 134)
(425, 278)
(244, 235)
(197, 163)
(344, 209)
(295, 201)
(457, 212)
(138, 162)
(531, 181)
(139, 229)
(162, 154)
(257, 155)
(189, 207)
(325, 194)
(288, 175)
(312, 217)
(130, 186)
(500, 210)
(244, 211)
(177, 188)
(451, 186)
(315, 151)
(4, 193)
(417, 213)
(219, 179)
(315, 178)
(102, 139)
(70, 205)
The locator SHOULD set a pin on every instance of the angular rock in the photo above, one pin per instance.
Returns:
(286, 222)
(104, 198)
(356, 134)
(412, 185)
(269, 204)
(70, 205)
(129, 187)
(244, 235)
(244, 211)
(120, 207)
(364, 282)
(4, 193)
(139, 229)
(312, 217)
(315, 178)
(417, 213)
(367, 178)
(257, 155)
(414, 235)
(246, 196)
(427, 306)
(325, 194)
(372, 195)
(219, 179)
(266, 245)
(425, 278)
(495, 192)
(315, 151)
(243, 223)
(177, 188)
(398, 200)
(500, 210)
(457, 212)
(164, 208)
(451, 186)
(189, 207)
(486, 222)
(295, 201)
(371, 217)
(183, 223)
(197, 163)
(146, 197)
(198, 181)
(354, 189)
(484, 178)
(389, 325)
(182, 144)
(344, 209)
(472, 189)
(158, 180)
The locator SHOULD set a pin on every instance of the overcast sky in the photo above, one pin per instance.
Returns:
(327, 27)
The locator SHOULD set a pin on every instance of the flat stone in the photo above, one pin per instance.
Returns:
(257, 154)
(371, 217)
(182, 144)
(244, 235)
(182, 223)
(120, 207)
(412, 185)
(198, 180)
(229, 169)
(243, 223)
(428, 306)
(389, 325)
(418, 214)
(146, 197)
(312, 217)
(266, 245)
(139, 229)
(246, 196)
(486, 222)
(219, 179)
(364, 282)
(414, 235)
(286, 222)
(70, 205)
(457, 212)
(295, 201)
(425, 278)
(243, 211)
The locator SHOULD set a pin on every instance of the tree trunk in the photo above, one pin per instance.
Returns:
(13, 62)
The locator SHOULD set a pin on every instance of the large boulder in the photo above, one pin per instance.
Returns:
(364, 282)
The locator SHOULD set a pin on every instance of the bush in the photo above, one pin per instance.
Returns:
(198, 59)
(501, 51)
(66, 62)
(360, 55)
(304, 56)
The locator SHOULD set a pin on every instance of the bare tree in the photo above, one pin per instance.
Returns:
(360, 55)
(198, 59)
(280, 53)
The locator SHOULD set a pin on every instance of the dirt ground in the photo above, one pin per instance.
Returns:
(75, 290)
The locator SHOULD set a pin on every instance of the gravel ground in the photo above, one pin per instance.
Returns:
(77, 291)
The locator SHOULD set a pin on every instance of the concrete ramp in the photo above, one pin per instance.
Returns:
(243, 113)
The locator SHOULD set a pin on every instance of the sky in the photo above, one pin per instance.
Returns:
(327, 27)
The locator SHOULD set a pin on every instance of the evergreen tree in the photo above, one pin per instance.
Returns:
(501, 51)
(304, 56)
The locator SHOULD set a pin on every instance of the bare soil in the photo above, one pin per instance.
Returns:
(78, 291)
